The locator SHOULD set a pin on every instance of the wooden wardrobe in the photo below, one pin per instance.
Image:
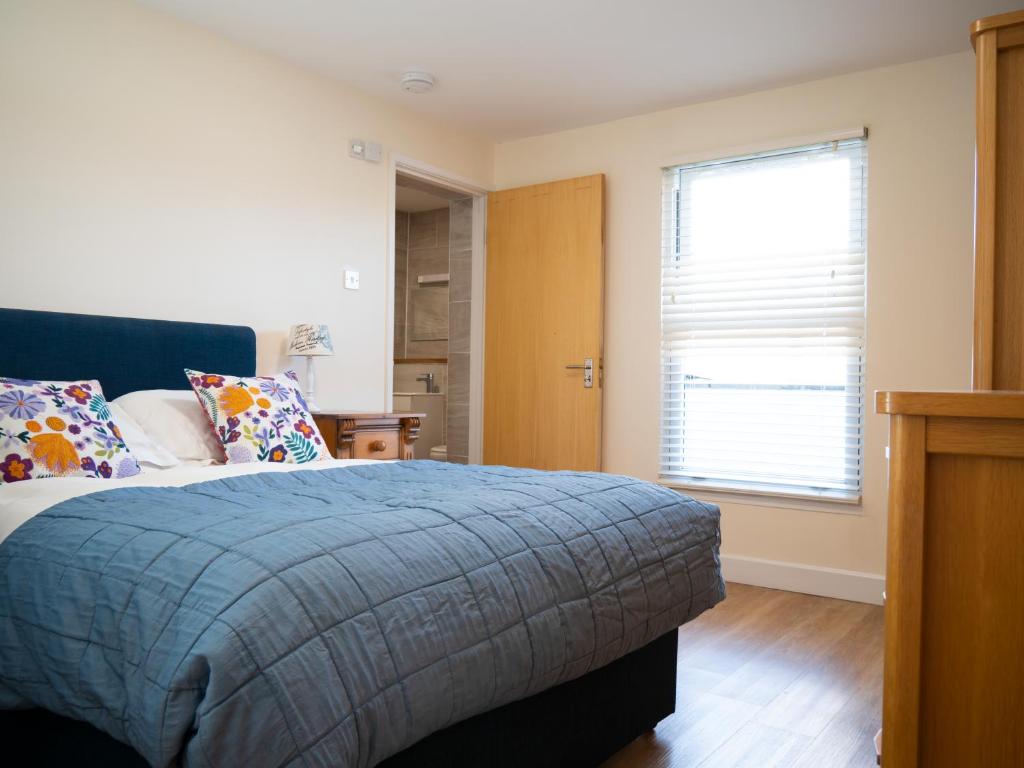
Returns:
(954, 613)
(999, 203)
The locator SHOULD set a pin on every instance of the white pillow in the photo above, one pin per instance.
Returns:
(146, 450)
(175, 420)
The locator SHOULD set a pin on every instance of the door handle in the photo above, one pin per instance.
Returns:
(588, 371)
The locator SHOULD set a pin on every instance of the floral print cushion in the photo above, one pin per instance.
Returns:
(59, 429)
(259, 418)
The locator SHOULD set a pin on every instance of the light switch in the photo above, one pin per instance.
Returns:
(351, 280)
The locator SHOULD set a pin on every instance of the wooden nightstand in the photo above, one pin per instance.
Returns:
(369, 435)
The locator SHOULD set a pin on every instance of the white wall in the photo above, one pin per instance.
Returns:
(921, 118)
(150, 168)
(153, 169)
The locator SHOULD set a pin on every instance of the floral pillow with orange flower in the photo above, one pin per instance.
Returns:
(59, 429)
(259, 418)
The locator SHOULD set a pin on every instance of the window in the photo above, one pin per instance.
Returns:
(762, 321)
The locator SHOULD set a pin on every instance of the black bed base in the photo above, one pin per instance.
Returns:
(574, 725)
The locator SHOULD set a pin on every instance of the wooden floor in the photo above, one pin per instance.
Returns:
(770, 679)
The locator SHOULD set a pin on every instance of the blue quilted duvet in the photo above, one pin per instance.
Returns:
(335, 617)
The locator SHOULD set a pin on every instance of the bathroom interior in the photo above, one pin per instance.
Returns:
(433, 272)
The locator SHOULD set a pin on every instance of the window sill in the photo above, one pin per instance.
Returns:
(809, 502)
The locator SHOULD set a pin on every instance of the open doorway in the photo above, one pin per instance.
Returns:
(436, 333)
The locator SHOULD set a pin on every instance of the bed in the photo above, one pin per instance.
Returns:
(355, 614)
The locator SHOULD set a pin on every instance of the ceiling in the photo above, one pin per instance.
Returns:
(519, 68)
(413, 194)
(416, 200)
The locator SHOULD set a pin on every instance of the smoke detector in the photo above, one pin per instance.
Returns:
(417, 82)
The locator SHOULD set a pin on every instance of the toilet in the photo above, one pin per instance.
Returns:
(439, 453)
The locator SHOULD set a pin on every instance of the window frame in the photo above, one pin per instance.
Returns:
(762, 494)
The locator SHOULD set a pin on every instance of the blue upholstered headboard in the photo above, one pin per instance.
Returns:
(123, 353)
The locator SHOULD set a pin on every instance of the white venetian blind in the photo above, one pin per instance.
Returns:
(762, 332)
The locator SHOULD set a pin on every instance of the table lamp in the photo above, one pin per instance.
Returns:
(311, 340)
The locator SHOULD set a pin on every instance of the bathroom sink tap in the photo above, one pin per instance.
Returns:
(429, 379)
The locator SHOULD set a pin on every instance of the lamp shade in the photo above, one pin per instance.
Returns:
(310, 339)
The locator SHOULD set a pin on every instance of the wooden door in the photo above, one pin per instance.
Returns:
(544, 312)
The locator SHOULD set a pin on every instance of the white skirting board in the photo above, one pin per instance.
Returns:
(809, 579)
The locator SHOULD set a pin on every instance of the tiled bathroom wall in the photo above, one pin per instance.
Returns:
(426, 306)
(460, 268)
(401, 278)
(436, 242)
